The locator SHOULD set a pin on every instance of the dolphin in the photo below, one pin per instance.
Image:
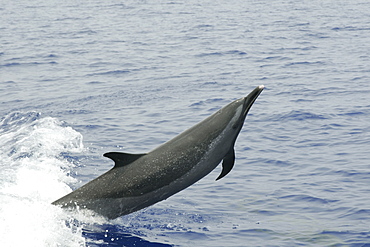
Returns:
(139, 180)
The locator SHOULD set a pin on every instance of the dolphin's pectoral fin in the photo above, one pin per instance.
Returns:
(228, 163)
(122, 159)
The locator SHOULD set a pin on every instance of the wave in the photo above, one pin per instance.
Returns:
(35, 173)
(37, 155)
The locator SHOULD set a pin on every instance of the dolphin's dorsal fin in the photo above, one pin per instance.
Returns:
(228, 163)
(122, 159)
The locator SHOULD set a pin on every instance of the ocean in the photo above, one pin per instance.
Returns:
(82, 78)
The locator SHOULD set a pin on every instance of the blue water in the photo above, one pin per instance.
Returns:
(81, 78)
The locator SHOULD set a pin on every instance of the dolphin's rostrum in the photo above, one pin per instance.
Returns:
(140, 180)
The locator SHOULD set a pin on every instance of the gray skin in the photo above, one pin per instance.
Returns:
(140, 180)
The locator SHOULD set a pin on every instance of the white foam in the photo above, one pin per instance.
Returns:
(34, 173)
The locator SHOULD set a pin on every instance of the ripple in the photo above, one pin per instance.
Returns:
(298, 116)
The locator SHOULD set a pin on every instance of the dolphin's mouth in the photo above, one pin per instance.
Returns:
(251, 98)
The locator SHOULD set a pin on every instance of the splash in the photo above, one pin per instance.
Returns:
(34, 172)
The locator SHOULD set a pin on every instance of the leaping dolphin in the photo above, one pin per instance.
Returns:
(139, 180)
